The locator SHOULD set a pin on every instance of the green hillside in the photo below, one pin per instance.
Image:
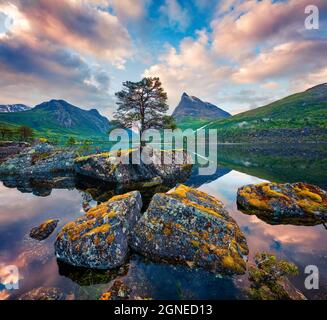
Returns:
(58, 118)
(303, 113)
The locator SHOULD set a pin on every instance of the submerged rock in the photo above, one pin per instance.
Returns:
(115, 167)
(268, 279)
(119, 290)
(296, 203)
(192, 228)
(99, 239)
(44, 230)
(44, 294)
(89, 277)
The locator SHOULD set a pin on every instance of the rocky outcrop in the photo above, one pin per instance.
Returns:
(297, 203)
(44, 230)
(116, 167)
(99, 239)
(192, 228)
(11, 148)
(40, 160)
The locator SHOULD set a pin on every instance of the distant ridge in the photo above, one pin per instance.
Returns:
(13, 107)
(60, 117)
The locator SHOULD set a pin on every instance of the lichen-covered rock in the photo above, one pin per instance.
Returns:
(115, 167)
(11, 148)
(44, 230)
(296, 203)
(44, 294)
(192, 228)
(99, 239)
(39, 160)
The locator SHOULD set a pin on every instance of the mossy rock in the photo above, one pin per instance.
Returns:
(192, 228)
(296, 203)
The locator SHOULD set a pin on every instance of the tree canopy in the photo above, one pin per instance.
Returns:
(142, 104)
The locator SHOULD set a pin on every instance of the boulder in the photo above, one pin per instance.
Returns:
(39, 160)
(115, 167)
(190, 227)
(99, 239)
(289, 203)
(11, 148)
(44, 230)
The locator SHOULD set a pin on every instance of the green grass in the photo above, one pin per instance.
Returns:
(301, 110)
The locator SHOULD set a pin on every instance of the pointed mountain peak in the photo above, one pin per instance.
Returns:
(193, 107)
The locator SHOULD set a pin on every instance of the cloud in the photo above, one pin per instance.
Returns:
(284, 60)
(76, 25)
(177, 16)
(63, 50)
(129, 9)
(35, 71)
(192, 68)
(251, 25)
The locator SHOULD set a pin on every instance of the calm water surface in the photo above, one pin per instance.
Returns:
(303, 245)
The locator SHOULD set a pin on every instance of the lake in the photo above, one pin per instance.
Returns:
(25, 204)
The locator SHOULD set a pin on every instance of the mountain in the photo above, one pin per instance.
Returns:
(193, 107)
(58, 117)
(303, 113)
(13, 107)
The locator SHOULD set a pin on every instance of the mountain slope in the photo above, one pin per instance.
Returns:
(192, 109)
(57, 117)
(304, 110)
(13, 107)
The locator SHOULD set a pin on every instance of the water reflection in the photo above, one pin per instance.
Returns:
(27, 203)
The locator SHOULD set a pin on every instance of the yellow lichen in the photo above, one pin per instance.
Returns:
(228, 262)
(182, 191)
(98, 211)
(101, 229)
(120, 197)
(195, 243)
(308, 206)
(234, 263)
(167, 231)
(106, 296)
(260, 204)
(272, 193)
(308, 194)
(110, 238)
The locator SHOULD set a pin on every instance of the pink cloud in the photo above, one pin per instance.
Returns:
(252, 24)
(284, 60)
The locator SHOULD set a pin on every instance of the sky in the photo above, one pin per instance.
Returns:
(236, 54)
